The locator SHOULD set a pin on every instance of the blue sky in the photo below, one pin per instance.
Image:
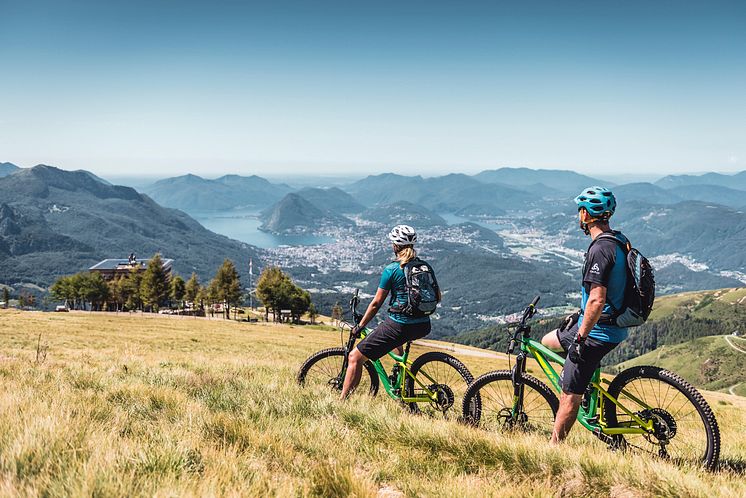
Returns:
(276, 87)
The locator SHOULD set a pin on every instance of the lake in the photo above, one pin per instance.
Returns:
(244, 226)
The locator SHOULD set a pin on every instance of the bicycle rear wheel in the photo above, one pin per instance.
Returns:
(495, 411)
(324, 368)
(443, 374)
(685, 429)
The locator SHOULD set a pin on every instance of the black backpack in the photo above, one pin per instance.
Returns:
(422, 290)
(640, 291)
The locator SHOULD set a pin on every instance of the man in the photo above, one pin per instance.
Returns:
(590, 336)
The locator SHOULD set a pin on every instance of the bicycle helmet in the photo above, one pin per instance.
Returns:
(403, 235)
(599, 202)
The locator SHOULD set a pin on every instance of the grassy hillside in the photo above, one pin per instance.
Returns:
(127, 405)
(713, 363)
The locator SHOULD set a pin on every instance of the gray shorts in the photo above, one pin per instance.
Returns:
(575, 378)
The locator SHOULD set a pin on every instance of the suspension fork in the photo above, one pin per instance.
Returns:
(345, 360)
(516, 377)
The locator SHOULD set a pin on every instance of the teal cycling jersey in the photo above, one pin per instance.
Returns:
(394, 281)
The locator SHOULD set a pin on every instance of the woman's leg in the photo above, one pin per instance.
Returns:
(355, 363)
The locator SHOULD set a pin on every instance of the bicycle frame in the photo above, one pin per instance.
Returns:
(396, 390)
(592, 416)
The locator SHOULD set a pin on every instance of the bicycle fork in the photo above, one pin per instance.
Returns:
(518, 389)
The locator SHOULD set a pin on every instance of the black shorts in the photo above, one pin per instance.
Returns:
(575, 378)
(389, 335)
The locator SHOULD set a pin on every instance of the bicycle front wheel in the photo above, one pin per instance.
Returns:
(324, 368)
(443, 375)
(684, 427)
(496, 411)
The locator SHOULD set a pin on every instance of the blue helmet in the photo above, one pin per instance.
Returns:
(599, 202)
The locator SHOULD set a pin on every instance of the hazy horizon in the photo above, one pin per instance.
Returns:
(305, 178)
(412, 88)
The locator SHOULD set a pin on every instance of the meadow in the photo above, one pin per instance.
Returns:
(129, 405)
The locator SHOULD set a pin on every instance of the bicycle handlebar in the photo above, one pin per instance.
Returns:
(527, 313)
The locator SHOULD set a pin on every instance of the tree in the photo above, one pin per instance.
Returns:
(269, 290)
(177, 290)
(6, 297)
(92, 288)
(64, 290)
(312, 313)
(191, 290)
(131, 290)
(277, 292)
(226, 286)
(336, 313)
(154, 285)
(298, 301)
(117, 294)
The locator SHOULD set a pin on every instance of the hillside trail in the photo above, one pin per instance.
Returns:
(453, 348)
(731, 389)
(728, 340)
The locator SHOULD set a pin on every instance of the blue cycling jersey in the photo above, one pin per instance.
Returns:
(606, 265)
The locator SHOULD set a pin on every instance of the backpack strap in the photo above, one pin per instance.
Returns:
(606, 318)
(407, 269)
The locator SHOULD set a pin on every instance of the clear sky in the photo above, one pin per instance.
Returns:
(167, 87)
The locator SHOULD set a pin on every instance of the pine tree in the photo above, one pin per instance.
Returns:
(131, 290)
(154, 285)
(226, 286)
(6, 297)
(269, 290)
(191, 290)
(312, 313)
(177, 290)
(336, 313)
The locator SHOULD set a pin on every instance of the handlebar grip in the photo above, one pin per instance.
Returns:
(535, 301)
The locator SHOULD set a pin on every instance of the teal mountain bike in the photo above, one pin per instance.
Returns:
(643, 408)
(433, 384)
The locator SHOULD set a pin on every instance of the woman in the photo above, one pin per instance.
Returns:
(399, 327)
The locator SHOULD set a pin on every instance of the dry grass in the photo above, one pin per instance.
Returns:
(125, 406)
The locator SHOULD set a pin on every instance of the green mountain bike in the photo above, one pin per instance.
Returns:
(643, 408)
(433, 384)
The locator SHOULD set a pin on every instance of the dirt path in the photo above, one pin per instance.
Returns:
(728, 340)
(731, 388)
(453, 348)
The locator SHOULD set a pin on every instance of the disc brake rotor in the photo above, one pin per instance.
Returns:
(664, 426)
(445, 396)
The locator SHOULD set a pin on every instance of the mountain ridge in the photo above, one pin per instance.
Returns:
(72, 221)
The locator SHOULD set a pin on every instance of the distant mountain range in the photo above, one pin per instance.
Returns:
(55, 222)
(194, 194)
(403, 212)
(540, 180)
(7, 169)
(694, 227)
(736, 180)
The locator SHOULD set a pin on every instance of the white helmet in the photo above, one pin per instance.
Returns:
(403, 235)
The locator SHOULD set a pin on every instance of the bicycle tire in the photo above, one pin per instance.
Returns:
(452, 379)
(686, 426)
(494, 410)
(328, 374)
